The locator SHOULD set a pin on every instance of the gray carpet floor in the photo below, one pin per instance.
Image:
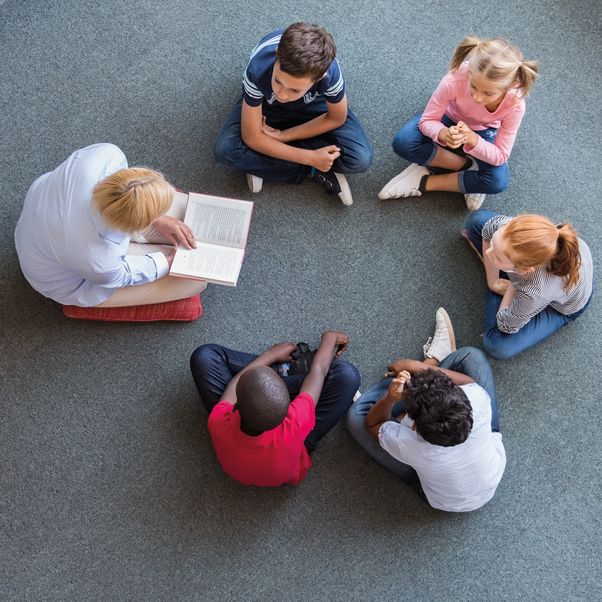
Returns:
(109, 489)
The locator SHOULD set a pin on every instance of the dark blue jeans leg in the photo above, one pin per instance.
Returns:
(473, 363)
(356, 151)
(411, 144)
(341, 384)
(213, 367)
(230, 150)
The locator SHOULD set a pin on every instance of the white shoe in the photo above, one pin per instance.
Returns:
(255, 183)
(356, 396)
(443, 342)
(474, 200)
(345, 194)
(404, 184)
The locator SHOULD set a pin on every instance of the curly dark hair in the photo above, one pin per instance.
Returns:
(305, 50)
(440, 409)
(262, 399)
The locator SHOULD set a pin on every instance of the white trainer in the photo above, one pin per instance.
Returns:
(404, 184)
(345, 194)
(474, 200)
(255, 183)
(443, 341)
(356, 396)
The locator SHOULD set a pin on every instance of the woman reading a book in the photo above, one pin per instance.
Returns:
(74, 236)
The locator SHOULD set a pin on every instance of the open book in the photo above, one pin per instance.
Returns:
(221, 228)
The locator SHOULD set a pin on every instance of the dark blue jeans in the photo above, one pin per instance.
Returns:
(467, 360)
(411, 144)
(213, 366)
(231, 151)
(498, 344)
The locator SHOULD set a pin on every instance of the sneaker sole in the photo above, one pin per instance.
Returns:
(450, 328)
(251, 183)
(385, 193)
(345, 194)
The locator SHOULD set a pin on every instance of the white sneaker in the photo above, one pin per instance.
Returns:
(255, 183)
(474, 200)
(404, 184)
(345, 194)
(443, 342)
(356, 396)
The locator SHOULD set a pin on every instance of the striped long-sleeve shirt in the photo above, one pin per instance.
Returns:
(538, 289)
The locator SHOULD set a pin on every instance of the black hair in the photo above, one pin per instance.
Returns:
(262, 400)
(440, 409)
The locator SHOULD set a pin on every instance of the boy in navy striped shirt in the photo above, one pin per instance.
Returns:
(293, 120)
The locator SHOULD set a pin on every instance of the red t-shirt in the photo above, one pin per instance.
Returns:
(273, 458)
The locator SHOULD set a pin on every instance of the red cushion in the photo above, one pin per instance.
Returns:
(182, 310)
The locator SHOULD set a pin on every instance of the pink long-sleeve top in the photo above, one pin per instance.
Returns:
(452, 98)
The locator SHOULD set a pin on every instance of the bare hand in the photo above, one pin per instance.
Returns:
(500, 286)
(395, 391)
(281, 352)
(451, 137)
(324, 157)
(469, 138)
(175, 231)
(279, 135)
(340, 340)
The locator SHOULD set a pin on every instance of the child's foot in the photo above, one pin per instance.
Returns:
(405, 184)
(443, 341)
(255, 183)
(334, 183)
(474, 200)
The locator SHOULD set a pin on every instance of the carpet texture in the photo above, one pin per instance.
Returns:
(109, 489)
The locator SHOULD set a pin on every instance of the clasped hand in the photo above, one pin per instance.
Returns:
(458, 135)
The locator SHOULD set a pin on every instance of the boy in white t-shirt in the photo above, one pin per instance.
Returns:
(435, 424)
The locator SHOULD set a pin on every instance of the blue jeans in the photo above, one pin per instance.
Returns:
(214, 366)
(498, 344)
(411, 144)
(231, 151)
(467, 360)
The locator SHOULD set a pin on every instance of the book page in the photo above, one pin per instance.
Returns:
(209, 262)
(219, 220)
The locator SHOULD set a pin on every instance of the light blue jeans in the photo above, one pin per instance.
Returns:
(467, 360)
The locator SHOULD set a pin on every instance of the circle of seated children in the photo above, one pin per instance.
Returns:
(434, 423)
(73, 237)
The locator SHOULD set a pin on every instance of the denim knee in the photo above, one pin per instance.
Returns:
(346, 374)
(224, 150)
(499, 347)
(205, 355)
(361, 161)
(496, 179)
(404, 143)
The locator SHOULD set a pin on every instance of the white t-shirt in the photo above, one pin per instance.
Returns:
(460, 478)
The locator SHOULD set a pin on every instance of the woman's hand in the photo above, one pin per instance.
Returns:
(175, 231)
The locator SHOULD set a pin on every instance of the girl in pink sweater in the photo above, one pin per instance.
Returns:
(469, 125)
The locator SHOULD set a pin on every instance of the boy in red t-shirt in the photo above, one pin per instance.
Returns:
(263, 422)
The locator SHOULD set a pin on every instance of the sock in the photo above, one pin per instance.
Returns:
(422, 185)
(466, 165)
